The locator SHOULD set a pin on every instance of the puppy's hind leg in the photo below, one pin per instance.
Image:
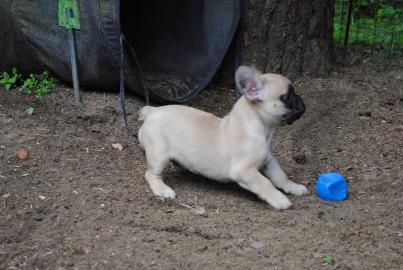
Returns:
(156, 161)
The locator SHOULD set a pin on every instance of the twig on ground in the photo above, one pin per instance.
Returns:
(11, 156)
(13, 166)
(199, 210)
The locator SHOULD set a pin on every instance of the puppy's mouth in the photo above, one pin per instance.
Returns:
(296, 109)
(290, 118)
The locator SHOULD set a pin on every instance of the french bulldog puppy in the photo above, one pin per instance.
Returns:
(234, 148)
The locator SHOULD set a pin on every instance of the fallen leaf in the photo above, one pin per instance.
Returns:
(22, 154)
(306, 182)
(117, 146)
(348, 168)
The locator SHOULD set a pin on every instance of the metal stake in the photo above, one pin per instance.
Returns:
(73, 58)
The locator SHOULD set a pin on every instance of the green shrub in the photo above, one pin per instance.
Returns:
(39, 85)
(9, 81)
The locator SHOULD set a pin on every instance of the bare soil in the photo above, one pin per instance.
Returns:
(78, 203)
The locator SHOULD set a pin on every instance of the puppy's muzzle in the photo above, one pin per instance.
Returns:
(295, 106)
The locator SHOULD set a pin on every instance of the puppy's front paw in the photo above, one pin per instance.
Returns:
(279, 201)
(163, 190)
(167, 193)
(297, 189)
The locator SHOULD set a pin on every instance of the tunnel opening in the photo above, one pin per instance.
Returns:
(179, 44)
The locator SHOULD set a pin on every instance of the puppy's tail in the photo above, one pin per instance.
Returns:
(144, 112)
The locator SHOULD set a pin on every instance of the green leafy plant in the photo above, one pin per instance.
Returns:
(328, 259)
(29, 111)
(9, 81)
(39, 85)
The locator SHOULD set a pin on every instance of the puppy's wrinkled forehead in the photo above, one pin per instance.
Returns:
(280, 83)
(258, 87)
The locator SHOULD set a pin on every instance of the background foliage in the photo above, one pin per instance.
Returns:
(374, 23)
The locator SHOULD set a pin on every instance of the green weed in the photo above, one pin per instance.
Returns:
(328, 259)
(39, 85)
(9, 81)
(29, 111)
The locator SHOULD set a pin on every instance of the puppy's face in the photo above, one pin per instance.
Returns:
(272, 95)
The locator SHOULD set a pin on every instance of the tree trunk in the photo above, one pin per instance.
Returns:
(288, 36)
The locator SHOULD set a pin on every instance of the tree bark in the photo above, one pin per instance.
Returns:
(288, 36)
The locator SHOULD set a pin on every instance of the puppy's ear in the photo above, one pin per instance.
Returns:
(251, 84)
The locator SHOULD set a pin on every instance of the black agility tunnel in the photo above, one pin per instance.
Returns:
(175, 46)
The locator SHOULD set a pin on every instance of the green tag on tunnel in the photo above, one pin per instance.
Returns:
(69, 16)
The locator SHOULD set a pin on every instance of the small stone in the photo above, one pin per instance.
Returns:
(81, 251)
(68, 264)
(84, 267)
(257, 244)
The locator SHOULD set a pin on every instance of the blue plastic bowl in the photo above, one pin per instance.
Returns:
(332, 187)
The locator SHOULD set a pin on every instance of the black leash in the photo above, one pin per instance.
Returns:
(238, 45)
(122, 95)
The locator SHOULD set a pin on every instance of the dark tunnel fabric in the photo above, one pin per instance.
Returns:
(177, 44)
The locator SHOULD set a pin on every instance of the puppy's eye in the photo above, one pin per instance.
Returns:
(284, 97)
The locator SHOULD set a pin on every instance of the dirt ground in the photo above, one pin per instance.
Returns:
(78, 203)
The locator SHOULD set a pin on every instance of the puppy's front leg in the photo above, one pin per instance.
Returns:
(255, 182)
(278, 177)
